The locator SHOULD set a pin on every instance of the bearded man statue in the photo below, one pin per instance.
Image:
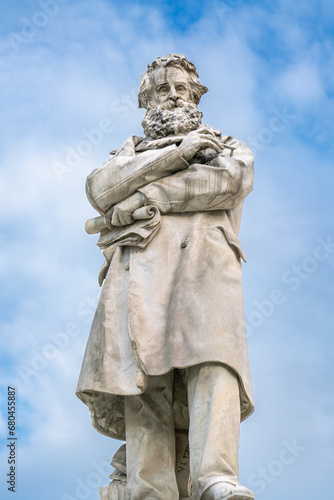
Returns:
(166, 364)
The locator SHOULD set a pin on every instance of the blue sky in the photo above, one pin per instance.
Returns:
(69, 78)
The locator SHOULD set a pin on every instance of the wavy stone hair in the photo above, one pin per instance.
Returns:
(178, 60)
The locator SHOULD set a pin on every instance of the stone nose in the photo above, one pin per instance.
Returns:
(173, 94)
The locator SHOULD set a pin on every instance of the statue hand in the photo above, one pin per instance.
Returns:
(202, 138)
(122, 213)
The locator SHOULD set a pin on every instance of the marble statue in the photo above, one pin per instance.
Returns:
(166, 365)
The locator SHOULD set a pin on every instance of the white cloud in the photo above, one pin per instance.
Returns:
(302, 84)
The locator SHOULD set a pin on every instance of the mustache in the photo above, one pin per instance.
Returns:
(178, 103)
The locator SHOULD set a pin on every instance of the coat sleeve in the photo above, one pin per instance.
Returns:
(220, 185)
(123, 174)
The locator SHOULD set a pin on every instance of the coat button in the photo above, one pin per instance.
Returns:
(127, 266)
(133, 345)
(185, 243)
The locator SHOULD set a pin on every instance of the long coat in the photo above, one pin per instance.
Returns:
(179, 301)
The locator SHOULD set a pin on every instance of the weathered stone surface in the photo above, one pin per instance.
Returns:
(166, 364)
(115, 491)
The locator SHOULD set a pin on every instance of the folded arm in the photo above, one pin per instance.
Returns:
(220, 185)
(122, 175)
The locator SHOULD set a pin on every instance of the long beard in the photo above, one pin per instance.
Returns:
(171, 118)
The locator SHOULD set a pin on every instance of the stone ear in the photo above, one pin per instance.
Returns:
(145, 90)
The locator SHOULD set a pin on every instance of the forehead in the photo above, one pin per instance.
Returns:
(170, 74)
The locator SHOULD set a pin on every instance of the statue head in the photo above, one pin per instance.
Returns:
(167, 79)
(170, 91)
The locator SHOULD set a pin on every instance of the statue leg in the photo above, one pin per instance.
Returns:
(214, 409)
(150, 442)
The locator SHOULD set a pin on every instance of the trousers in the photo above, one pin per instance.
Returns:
(214, 425)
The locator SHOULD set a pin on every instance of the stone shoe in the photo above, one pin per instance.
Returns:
(226, 491)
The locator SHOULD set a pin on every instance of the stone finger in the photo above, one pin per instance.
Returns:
(115, 219)
(212, 145)
(209, 130)
(205, 129)
(212, 139)
(126, 218)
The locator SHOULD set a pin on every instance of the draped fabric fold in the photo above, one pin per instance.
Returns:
(147, 221)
